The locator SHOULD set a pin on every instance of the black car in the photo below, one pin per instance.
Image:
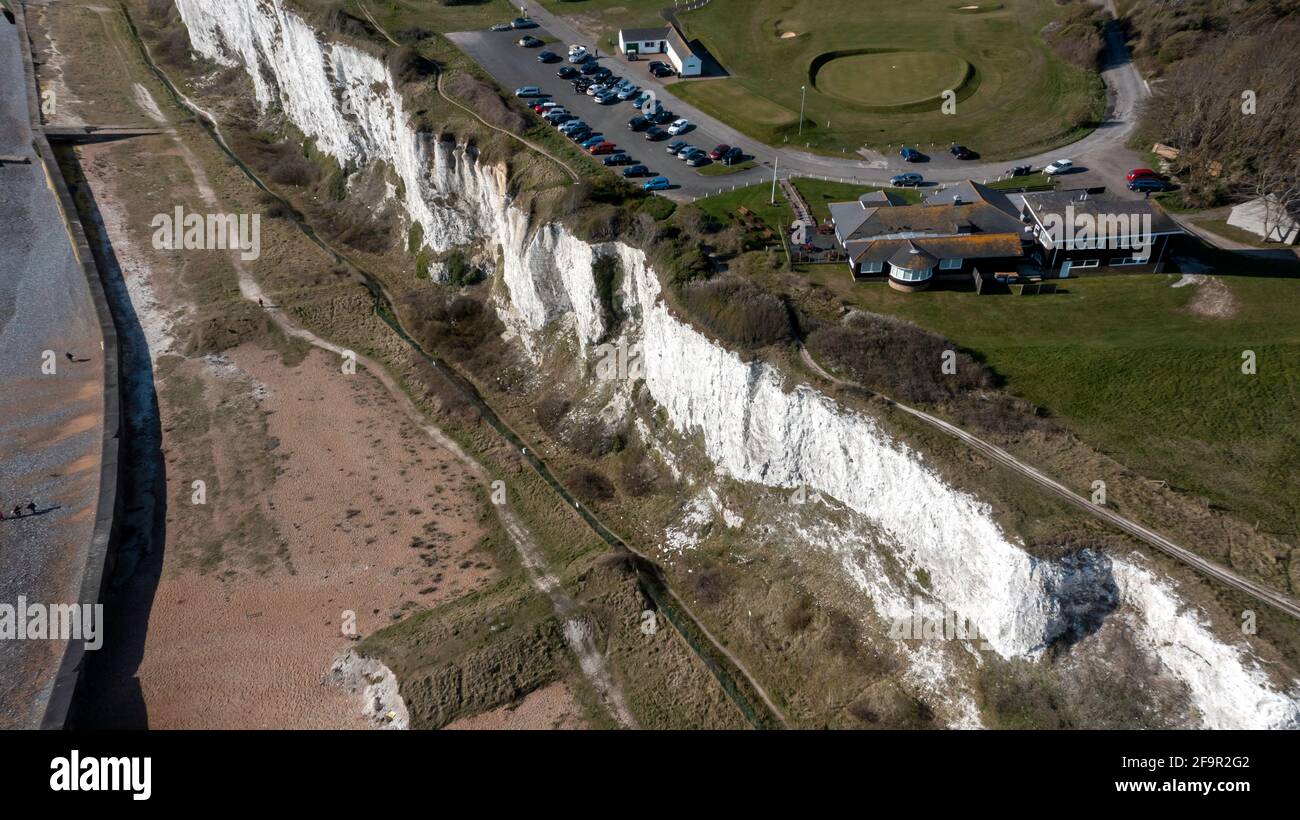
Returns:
(1019, 170)
(548, 57)
(601, 74)
(592, 68)
(638, 123)
(522, 22)
(636, 171)
(567, 72)
(617, 158)
(579, 134)
(528, 41)
(660, 70)
(663, 117)
(581, 86)
(655, 134)
(732, 154)
(962, 152)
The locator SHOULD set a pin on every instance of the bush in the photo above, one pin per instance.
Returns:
(484, 100)
(406, 64)
(589, 485)
(738, 311)
(898, 359)
(550, 410)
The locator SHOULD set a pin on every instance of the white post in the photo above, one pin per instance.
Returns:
(775, 165)
(803, 95)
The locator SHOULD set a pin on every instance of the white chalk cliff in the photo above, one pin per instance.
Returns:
(751, 427)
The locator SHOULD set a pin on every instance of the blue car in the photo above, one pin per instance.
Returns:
(594, 139)
(911, 155)
(908, 179)
(656, 184)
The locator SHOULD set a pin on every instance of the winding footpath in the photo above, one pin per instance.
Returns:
(1207, 567)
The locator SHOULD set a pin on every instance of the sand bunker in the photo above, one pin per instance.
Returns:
(786, 35)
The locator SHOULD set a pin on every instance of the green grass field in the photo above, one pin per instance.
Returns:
(1021, 97)
(1121, 361)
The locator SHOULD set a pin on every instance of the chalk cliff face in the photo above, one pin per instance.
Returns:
(751, 426)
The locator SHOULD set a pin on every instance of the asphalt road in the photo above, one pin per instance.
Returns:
(1101, 158)
(50, 424)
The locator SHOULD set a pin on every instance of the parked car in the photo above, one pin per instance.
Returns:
(600, 148)
(570, 125)
(686, 156)
(580, 134)
(662, 117)
(528, 41)
(567, 72)
(734, 154)
(603, 75)
(655, 184)
(628, 92)
(679, 126)
(522, 22)
(638, 123)
(1141, 173)
(581, 86)
(557, 119)
(676, 145)
(635, 171)
(910, 178)
(617, 158)
(1061, 166)
(548, 57)
(655, 133)
(641, 99)
(594, 139)
(961, 152)
(911, 155)
(590, 68)
(542, 106)
(594, 89)
(500, 27)
(660, 69)
(578, 56)
(528, 91)
(607, 96)
(1149, 185)
(719, 150)
(1020, 171)
(697, 159)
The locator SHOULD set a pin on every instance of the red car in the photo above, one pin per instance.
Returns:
(1141, 173)
(717, 153)
(601, 148)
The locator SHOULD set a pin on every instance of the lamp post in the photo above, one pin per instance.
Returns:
(803, 95)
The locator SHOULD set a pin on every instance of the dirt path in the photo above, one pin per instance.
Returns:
(590, 659)
(1150, 537)
(539, 149)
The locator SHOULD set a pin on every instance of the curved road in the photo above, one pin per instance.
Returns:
(1260, 592)
(1102, 153)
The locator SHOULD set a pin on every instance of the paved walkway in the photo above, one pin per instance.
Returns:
(50, 423)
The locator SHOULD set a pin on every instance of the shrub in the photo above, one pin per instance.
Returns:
(406, 64)
(589, 485)
(738, 311)
(897, 358)
(484, 100)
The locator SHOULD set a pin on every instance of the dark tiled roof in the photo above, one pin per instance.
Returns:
(633, 35)
(968, 246)
(1098, 205)
(678, 42)
(943, 220)
(910, 257)
(972, 191)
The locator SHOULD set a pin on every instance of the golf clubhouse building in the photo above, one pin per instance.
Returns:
(971, 229)
(668, 40)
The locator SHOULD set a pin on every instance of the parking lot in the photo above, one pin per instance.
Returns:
(513, 66)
